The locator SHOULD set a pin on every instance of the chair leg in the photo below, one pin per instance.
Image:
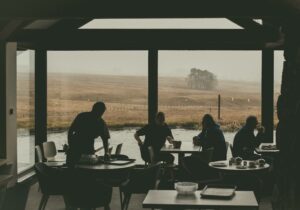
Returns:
(43, 202)
(121, 198)
(126, 201)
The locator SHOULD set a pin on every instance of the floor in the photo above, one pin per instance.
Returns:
(56, 202)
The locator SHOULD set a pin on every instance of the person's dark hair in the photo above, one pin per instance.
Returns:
(251, 121)
(160, 116)
(208, 120)
(99, 107)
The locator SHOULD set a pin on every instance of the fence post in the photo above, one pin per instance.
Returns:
(219, 106)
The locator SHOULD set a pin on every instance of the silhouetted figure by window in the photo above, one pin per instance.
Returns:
(212, 141)
(211, 136)
(245, 141)
(156, 135)
(86, 127)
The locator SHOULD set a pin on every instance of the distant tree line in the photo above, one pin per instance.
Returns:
(201, 80)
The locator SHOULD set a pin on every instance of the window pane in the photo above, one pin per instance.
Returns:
(190, 82)
(25, 109)
(162, 23)
(76, 80)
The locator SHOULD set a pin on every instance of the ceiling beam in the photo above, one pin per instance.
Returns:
(246, 23)
(145, 35)
(69, 24)
(103, 46)
(38, 9)
(9, 28)
(142, 39)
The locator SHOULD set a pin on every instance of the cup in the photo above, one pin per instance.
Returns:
(238, 161)
(176, 144)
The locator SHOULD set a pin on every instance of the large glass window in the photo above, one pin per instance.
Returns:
(25, 109)
(76, 80)
(190, 83)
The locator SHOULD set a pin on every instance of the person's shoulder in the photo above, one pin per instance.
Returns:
(83, 114)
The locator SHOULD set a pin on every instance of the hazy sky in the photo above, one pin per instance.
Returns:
(232, 65)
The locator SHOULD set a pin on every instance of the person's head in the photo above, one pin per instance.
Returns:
(208, 121)
(98, 108)
(251, 122)
(160, 118)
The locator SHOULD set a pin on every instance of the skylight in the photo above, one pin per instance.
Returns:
(199, 23)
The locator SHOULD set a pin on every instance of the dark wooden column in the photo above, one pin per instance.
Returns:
(40, 96)
(267, 93)
(152, 84)
(288, 129)
(2, 99)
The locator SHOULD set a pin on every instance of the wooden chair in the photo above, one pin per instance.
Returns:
(141, 179)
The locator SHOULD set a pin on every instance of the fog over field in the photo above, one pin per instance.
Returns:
(227, 65)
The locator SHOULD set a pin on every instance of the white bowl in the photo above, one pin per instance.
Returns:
(185, 188)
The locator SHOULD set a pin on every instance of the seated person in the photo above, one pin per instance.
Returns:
(245, 141)
(156, 135)
(86, 127)
(211, 136)
(212, 141)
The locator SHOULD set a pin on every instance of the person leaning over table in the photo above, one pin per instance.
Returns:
(156, 135)
(86, 127)
(245, 141)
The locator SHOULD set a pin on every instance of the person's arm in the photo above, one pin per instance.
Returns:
(105, 136)
(170, 137)
(259, 137)
(198, 140)
(73, 128)
(140, 132)
(138, 139)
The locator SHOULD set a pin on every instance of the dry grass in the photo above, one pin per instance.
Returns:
(126, 99)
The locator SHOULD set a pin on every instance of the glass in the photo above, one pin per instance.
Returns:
(25, 110)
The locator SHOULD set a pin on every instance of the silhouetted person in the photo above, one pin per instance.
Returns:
(156, 135)
(86, 127)
(211, 136)
(212, 141)
(245, 141)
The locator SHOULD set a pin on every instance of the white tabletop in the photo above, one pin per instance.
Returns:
(234, 167)
(169, 199)
(186, 147)
(261, 150)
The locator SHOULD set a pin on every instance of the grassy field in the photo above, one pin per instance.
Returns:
(126, 100)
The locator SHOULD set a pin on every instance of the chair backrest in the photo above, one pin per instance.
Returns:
(51, 180)
(110, 150)
(49, 149)
(208, 154)
(144, 178)
(39, 154)
(118, 149)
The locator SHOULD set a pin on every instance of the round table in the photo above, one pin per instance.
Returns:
(233, 168)
(106, 167)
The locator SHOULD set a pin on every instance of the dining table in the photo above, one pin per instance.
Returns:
(185, 148)
(225, 167)
(170, 199)
(267, 149)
